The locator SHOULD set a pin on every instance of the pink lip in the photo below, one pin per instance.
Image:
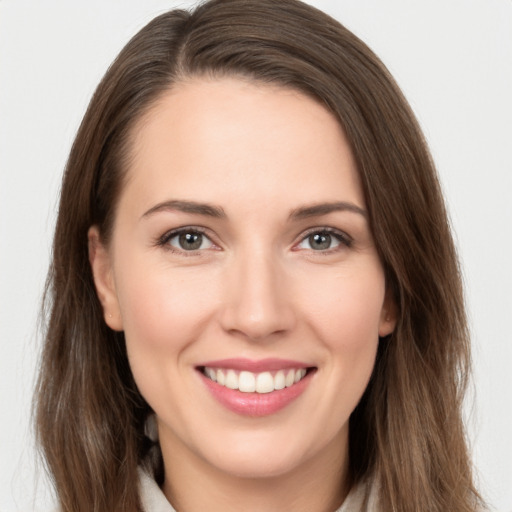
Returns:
(255, 404)
(249, 365)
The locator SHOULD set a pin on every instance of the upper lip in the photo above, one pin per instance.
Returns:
(255, 366)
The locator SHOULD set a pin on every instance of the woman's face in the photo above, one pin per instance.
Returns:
(242, 253)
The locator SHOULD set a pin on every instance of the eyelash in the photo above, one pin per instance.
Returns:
(164, 240)
(340, 236)
(344, 239)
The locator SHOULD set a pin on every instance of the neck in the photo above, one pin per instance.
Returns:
(320, 484)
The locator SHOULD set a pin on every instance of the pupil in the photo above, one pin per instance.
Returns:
(191, 241)
(320, 241)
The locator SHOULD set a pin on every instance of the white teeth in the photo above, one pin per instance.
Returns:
(221, 379)
(210, 372)
(248, 382)
(299, 374)
(279, 380)
(264, 382)
(231, 380)
(290, 378)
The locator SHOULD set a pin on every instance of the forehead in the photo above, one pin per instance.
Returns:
(225, 138)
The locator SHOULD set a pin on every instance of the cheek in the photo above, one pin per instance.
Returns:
(163, 308)
(345, 318)
(163, 312)
(347, 307)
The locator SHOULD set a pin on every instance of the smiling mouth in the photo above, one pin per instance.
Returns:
(250, 382)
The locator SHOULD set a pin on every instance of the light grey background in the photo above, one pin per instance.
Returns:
(453, 59)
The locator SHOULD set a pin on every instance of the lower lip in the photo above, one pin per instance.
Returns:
(256, 404)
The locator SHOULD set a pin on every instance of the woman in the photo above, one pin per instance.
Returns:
(255, 298)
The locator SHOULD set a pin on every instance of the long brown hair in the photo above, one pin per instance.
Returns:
(407, 431)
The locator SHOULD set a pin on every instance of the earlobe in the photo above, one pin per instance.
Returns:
(388, 317)
(101, 266)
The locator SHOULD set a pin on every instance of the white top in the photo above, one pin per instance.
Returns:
(154, 500)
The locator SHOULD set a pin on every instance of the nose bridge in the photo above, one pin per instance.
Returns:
(258, 301)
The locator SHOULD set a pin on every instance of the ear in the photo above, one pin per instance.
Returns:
(388, 316)
(101, 265)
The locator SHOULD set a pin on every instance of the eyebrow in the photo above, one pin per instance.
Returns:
(187, 207)
(317, 210)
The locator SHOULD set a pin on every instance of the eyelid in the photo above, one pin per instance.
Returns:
(163, 240)
(344, 239)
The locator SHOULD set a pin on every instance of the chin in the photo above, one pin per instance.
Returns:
(262, 456)
(255, 466)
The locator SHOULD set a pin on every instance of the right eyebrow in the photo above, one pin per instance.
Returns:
(187, 207)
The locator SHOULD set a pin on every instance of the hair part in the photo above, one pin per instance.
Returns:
(407, 432)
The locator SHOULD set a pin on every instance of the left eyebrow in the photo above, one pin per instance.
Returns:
(317, 210)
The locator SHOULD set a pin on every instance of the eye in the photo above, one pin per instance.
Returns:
(323, 240)
(188, 240)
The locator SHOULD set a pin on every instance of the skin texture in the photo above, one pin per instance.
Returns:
(255, 289)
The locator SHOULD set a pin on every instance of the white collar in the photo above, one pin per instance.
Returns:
(154, 500)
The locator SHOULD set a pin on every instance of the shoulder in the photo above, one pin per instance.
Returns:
(152, 497)
(154, 500)
(361, 498)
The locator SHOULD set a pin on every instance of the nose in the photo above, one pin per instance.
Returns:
(257, 303)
